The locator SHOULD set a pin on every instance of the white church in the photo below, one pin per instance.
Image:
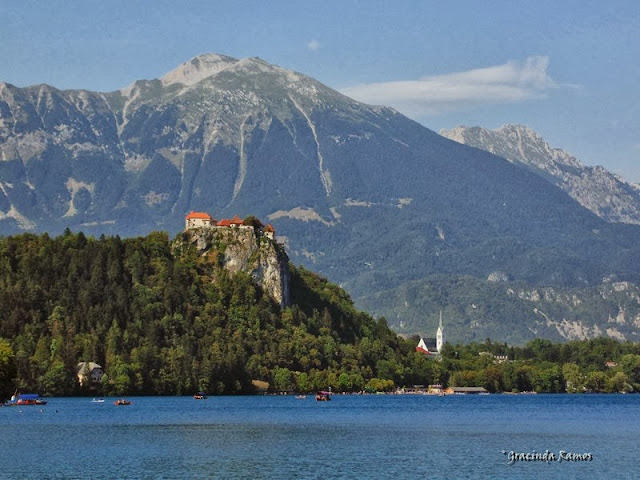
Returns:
(432, 346)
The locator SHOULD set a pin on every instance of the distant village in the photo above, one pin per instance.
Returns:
(204, 220)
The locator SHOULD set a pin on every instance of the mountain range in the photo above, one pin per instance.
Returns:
(607, 195)
(359, 193)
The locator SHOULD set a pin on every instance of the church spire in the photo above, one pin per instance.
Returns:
(440, 335)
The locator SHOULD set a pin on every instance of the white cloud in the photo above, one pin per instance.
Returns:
(508, 83)
(313, 45)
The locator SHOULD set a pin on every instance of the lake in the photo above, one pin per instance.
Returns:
(352, 436)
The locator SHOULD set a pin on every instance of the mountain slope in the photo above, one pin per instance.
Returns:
(474, 309)
(607, 195)
(361, 194)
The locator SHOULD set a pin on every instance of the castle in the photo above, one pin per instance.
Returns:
(204, 220)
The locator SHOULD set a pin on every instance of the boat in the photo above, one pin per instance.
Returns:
(200, 396)
(20, 399)
(97, 400)
(122, 401)
(301, 397)
(323, 396)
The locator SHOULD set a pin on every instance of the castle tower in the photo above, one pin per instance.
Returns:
(440, 335)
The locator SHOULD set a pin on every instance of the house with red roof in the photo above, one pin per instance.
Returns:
(198, 219)
(236, 221)
(202, 219)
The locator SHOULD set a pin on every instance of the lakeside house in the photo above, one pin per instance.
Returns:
(89, 372)
(466, 391)
(260, 386)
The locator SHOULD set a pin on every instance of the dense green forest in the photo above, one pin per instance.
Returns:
(163, 320)
(599, 365)
(164, 323)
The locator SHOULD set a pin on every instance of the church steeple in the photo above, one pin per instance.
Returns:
(440, 335)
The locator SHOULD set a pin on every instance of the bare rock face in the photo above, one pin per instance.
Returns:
(498, 277)
(242, 250)
(610, 197)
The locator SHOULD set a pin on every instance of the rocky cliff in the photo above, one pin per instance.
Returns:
(242, 250)
(474, 309)
(605, 194)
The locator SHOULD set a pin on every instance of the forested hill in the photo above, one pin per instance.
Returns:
(163, 319)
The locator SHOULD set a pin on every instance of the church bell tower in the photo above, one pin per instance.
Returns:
(440, 335)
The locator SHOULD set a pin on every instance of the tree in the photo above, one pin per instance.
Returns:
(493, 381)
(8, 369)
(379, 385)
(302, 380)
(619, 383)
(630, 364)
(574, 380)
(56, 380)
(596, 381)
(253, 222)
(282, 379)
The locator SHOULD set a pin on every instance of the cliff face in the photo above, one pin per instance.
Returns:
(610, 197)
(241, 250)
(476, 309)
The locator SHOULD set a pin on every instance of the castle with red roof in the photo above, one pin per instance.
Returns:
(204, 220)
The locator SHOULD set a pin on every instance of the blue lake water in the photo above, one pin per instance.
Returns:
(370, 436)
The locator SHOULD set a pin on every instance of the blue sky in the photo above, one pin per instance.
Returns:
(568, 69)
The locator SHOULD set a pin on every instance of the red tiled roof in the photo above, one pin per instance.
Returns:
(269, 228)
(236, 220)
(224, 223)
(200, 215)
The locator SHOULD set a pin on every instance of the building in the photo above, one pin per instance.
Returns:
(496, 358)
(269, 231)
(466, 391)
(236, 221)
(202, 219)
(432, 346)
(260, 386)
(89, 371)
(427, 346)
(436, 389)
(440, 336)
(197, 220)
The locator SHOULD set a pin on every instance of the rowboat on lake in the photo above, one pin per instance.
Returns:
(20, 399)
(323, 396)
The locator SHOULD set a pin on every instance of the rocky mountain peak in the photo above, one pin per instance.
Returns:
(595, 188)
(197, 69)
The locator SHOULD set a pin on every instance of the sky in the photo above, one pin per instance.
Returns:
(570, 70)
